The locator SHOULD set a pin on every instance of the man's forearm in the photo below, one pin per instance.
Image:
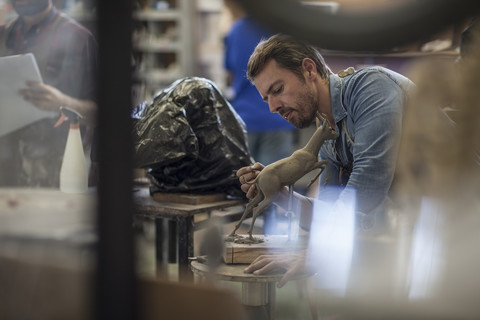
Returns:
(87, 108)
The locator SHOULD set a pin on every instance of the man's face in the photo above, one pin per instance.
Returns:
(29, 7)
(287, 95)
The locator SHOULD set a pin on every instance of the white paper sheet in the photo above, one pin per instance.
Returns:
(15, 112)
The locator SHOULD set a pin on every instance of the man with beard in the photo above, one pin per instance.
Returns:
(66, 53)
(365, 107)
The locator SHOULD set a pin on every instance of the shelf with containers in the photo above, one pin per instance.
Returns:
(163, 44)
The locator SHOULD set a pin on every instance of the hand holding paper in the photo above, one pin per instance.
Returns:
(15, 111)
(43, 96)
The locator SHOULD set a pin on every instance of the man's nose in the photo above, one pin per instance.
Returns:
(274, 105)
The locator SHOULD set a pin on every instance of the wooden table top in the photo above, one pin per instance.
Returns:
(44, 212)
(146, 205)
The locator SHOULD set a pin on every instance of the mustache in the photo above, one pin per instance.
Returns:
(284, 110)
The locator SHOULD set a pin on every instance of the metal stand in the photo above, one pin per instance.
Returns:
(290, 214)
(258, 291)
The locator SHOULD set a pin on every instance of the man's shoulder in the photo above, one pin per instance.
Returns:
(378, 71)
(372, 71)
(8, 25)
(351, 75)
(67, 24)
(378, 74)
(5, 30)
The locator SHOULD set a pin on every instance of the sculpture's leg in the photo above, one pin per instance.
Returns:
(323, 165)
(249, 208)
(257, 211)
(327, 172)
(316, 177)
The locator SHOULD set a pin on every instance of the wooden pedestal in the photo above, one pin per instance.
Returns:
(188, 198)
(237, 253)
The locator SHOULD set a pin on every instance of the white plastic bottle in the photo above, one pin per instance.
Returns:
(73, 173)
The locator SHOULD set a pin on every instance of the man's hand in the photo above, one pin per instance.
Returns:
(247, 174)
(44, 96)
(292, 263)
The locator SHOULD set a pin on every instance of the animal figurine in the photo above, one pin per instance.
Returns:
(285, 172)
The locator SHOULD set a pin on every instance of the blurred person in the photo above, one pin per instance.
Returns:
(66, 53)
(270, 138)
(365, 107)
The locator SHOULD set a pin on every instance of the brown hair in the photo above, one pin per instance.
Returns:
(288, 52)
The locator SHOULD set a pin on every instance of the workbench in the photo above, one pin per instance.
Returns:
(175, 224)
(48, 244)
(47, 225)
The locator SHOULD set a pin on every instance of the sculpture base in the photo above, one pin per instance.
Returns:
(242, 251)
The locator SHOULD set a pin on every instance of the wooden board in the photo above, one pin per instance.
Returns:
(187, 198)
(237, 253)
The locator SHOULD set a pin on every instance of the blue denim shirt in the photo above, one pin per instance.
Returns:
(368, 108)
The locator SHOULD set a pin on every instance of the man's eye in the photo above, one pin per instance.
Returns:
(278, 90)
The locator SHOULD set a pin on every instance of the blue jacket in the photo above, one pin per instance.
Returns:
(239, 45)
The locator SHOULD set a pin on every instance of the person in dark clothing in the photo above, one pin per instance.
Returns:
(66, 54)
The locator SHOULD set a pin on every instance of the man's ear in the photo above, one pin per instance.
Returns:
(309, 68)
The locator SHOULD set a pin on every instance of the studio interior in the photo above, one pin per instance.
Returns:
(239, 159)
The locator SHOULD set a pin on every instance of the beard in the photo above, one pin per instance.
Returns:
(306, 110)
(30, 7)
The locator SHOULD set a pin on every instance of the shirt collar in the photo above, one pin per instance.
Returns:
(45, 21)
(336, 96)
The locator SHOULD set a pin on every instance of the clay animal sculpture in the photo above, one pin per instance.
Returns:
(285, 172)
